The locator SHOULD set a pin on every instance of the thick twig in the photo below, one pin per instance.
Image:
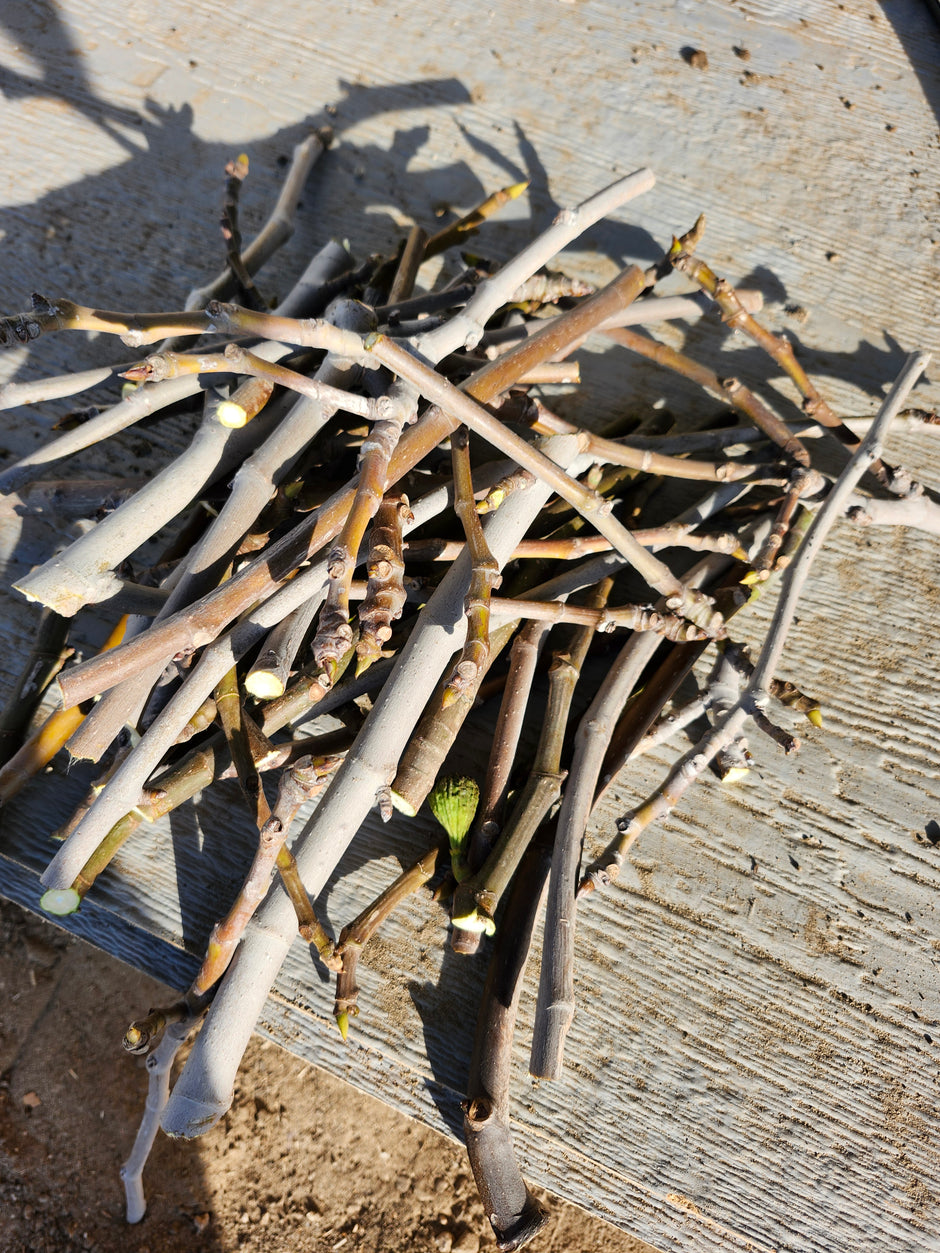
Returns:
(436, 732)
(159, 1066)
(514, 1214)
(270, 672)
(304, 780)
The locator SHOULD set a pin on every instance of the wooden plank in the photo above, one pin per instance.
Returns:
(753, 1060)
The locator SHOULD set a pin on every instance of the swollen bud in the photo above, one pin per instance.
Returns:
(453, 802)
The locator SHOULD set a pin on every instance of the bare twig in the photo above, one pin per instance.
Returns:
(352, 938)
(514, 1214)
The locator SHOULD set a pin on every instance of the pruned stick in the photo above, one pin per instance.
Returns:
(484, 576)
(270, 672)
(682, 257)
(279, 226)
(619, 453)
(356, 934)
(385, 592)
(236, 172)
(334, 633)
(514, 1214)
(436, 731)
(730, 390)
(84, 572)
(302, 781)
(470, 223)
(159, 1066)
(574, 547)
(555, 1005)
(232, 718)
(413, 254)
(236, 359)
(522, 661)
(617, 617)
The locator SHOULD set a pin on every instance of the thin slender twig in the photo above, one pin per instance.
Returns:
(484, 576)
(353, 937)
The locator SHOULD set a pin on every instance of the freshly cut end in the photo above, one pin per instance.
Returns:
(231, 414)
(60, 901)
(402, 805)
(475, 921)
(264, 685)
(735, 774)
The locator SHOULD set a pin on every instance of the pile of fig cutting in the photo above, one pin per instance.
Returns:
(378, 501)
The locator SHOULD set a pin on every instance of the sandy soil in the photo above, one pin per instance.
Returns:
(302, 1162)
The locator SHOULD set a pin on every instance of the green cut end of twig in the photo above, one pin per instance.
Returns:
(475, 921)
(60, 901)
(403, 805)
(264, 685)
(736, 774)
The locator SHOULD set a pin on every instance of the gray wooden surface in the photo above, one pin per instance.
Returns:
(753, 1064)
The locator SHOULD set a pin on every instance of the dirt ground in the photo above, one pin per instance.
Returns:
(302, 1162)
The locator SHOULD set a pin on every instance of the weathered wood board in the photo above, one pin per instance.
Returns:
(753, 1064)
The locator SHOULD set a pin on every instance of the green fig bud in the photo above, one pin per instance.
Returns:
(453, 802)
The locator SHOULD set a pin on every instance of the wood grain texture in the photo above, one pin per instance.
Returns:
(753, 1063)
